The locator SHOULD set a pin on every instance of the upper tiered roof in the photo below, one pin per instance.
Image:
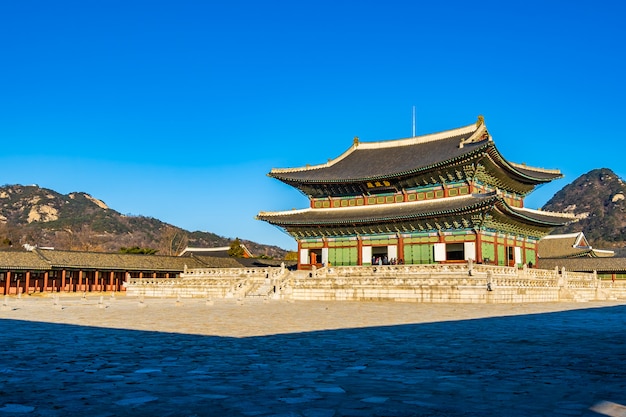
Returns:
(414, 160)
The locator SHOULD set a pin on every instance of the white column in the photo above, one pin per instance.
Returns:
(366, 255)
(304, 257)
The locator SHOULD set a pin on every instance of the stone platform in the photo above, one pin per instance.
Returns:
(166, 357)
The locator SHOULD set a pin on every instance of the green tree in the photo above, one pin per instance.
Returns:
(235, 251)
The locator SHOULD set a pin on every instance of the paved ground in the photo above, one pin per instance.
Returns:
(113, 357)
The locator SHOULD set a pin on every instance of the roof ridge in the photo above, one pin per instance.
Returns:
(358, 145)
(430, 137)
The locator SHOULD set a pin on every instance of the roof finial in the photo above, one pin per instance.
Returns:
(356, 140)
(480, 121)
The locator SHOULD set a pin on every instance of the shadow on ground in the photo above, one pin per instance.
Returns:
(532, 365)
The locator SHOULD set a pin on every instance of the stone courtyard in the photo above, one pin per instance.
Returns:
(117, 356)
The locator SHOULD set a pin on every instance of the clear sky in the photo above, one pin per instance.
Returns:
(178, 109)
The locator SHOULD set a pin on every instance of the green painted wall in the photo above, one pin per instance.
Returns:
(501, 256)
(488, 251)
(418, 254)
(531, 256)
(342, 256)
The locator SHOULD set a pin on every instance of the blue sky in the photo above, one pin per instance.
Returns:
(178, 109)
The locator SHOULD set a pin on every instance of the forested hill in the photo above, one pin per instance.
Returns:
(77, 221)
(599, 197)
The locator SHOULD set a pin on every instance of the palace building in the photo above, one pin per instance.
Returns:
(439, 198)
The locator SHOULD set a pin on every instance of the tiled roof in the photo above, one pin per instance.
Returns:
(570, 245)
(396, 158)
(601, 265)
(19, 260)
(216, 261)
(40, 259)
(113, 261)
(406, 211)
(49, 259)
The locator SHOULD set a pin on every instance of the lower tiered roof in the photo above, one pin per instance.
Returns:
(471, 211)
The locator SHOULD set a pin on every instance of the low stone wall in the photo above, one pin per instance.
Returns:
(211, 283)
(455, 283)
(616, 288)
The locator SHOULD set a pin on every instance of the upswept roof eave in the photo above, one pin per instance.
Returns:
(539, 216)
(524, 170)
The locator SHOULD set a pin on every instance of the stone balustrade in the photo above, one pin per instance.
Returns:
(461, 282)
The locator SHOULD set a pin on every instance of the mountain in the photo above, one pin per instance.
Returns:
(77, 221)
(599, 198)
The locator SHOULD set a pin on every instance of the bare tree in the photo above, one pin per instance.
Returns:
(172, 241)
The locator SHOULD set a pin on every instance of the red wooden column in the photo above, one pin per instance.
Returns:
(7, 282)
(298, 256)
(46, 276)
(26, 283)
(400, 248)
(79, 285)
(63, 273)
(111, 275)
(479, 247)
(359, 250)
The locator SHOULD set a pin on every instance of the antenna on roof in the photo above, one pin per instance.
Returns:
(413, 121)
